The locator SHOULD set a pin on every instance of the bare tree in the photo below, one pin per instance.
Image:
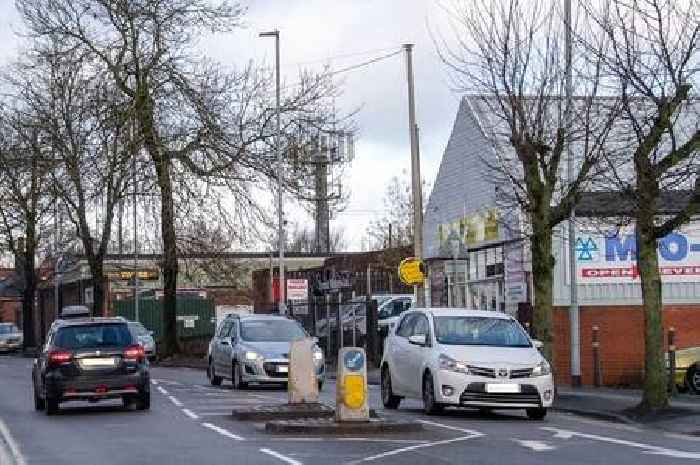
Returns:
(650, 54)
(394, 227)
(25, 199)
(190, 116)
(510, 56)
(302, 239)
(91, 145)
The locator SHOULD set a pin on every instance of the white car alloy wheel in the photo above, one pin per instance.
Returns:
(694, 380)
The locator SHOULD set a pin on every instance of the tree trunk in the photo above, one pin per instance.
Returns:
(28, 291)
(98, 291)
(169, 265)
(542, 272)
(655, 381)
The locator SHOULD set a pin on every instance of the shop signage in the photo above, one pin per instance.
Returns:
(297, 289)
(611, 258)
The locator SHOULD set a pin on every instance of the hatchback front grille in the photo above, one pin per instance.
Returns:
(271, 369)
(521, 373)
(482, 371)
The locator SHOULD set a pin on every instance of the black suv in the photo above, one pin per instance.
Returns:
(91, 359)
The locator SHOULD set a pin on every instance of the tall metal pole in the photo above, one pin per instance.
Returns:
(574, 320)
(278, 147)
(415, 174)
(136, 277)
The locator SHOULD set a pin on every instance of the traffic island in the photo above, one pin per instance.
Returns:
(283, 412)
(331, 427)
(352, 414)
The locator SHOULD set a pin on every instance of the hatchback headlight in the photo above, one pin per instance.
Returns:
(450, 364)
(542, 369)
(251, 356)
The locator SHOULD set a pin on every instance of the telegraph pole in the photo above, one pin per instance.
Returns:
(415, 174)
(278, 147)
(573, 308)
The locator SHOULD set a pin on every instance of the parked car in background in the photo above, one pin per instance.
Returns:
(255, 349)
(688, 369)
(465, 358)
(11, 338)
(145, 338)
(389, 311)
(91, 359)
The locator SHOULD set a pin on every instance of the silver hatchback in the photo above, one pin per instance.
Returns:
(255, 349)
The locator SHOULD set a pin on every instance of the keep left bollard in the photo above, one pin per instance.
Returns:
(351, 386)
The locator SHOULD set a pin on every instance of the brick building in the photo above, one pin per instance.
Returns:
(477, 257)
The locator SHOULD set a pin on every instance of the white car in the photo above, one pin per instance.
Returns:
(465, 358)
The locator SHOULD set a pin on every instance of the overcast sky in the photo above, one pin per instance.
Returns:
(318, 32)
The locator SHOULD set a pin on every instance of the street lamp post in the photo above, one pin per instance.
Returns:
(278, 148)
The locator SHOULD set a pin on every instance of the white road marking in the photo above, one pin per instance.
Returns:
(6, 438)
(154, 382)
(223, 432)
(211, 414)
(648, 448)
(190, 414)
(283, 458)
(162, 391)
(471, 434)
(537, 446)
(175, 401)
(450, 427)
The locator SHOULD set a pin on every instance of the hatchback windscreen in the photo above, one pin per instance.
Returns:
(88, 336)
(479, 331)
(8, 329)
(271, 331)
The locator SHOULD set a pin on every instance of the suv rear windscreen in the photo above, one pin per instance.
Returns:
(96, 335)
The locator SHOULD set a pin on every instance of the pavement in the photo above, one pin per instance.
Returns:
(682, 416)
(190, 421)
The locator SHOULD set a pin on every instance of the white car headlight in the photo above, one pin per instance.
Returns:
(542, 369)
(318, 355)
(251, 356)
(450, 364)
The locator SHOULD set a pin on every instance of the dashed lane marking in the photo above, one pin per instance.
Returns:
(190, 414)
(162, 391)
(648, 448)
(281, 457)
(223, 432)
(175, 401)
(537, 446)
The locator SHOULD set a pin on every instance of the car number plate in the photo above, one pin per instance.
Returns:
(282, 369)
(98, 362)
(503, 388)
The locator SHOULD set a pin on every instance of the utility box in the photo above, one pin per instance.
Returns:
(302, 386)
(351, 386)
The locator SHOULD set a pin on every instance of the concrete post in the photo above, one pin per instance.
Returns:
(303, 385)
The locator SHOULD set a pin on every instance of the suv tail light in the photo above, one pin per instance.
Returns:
(134, 353)
(59, 357)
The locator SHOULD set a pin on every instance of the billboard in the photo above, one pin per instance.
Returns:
(612, 257)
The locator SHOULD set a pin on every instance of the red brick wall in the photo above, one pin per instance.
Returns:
(621, 340)
(10, 311)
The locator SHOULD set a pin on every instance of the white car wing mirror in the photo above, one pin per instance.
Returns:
(537, 343)
(417, 339)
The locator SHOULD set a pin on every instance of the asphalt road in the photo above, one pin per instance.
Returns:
(190, 423)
